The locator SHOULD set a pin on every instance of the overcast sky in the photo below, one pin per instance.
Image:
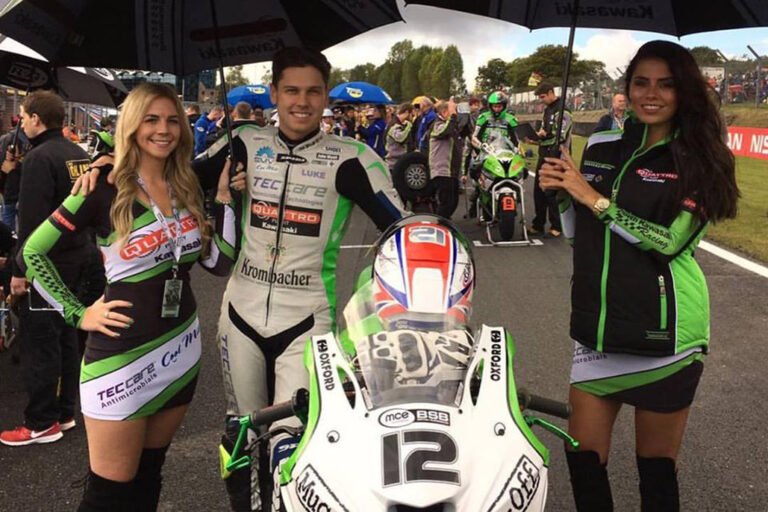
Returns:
(480, 39)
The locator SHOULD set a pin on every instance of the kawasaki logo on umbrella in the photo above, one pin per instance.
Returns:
(638, 11)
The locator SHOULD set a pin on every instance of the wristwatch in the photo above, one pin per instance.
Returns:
(601, 205)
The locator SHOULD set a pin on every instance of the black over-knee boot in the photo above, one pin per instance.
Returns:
(102, 495)
(658, 485)
(589, 481)
(149, 480)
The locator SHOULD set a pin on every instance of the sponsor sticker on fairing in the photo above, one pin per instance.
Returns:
(314, 495)
(396, 418)
(519, 489)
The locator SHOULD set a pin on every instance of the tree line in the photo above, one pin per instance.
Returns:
(412, 71)
(409, 72)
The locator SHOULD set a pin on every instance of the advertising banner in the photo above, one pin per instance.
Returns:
(751, 142)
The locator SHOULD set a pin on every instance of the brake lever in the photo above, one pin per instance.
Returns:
(552, 428)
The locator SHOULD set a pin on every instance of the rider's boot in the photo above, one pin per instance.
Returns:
(658, 484)
(104, 495)
(149, 479)
(589, 481)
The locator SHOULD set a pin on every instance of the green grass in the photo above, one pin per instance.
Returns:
(748, 232)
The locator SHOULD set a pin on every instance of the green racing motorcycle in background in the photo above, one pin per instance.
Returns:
(499, 172)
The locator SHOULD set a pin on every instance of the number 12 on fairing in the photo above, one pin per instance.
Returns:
(437, 448)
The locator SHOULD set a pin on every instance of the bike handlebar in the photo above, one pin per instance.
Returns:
(282, 410)
(545, 405)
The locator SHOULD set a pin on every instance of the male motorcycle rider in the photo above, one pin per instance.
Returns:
(495, 122)
(301, 187)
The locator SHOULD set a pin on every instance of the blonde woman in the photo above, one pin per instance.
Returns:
(143, 352)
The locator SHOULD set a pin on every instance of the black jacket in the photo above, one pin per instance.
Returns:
(636, 287)
(547, 144)
(47, 174)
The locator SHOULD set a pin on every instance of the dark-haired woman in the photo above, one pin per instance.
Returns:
(640, 307)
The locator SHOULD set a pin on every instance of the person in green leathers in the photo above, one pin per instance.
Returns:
(495, 122)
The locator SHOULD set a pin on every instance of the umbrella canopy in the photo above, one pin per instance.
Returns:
(257, 96)
(185, 36)
(97, 86)
(675, 17)
(359, 92)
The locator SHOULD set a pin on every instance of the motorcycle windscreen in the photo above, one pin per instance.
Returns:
(416, 354)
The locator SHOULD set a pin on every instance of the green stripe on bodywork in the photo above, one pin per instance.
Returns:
(610, 385)
(168, 393)
(313, 415)
(514, 405)
(331, 253)
(111, 364)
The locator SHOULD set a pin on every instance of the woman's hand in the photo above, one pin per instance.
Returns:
(563, 174)
(99, 317)
(87, 182)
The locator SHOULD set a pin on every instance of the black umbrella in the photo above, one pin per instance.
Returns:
(97, 86)
(675, 17)
(185, 36)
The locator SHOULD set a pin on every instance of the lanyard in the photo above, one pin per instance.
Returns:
(173, 241)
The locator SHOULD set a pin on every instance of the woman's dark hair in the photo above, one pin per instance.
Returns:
(705, 165)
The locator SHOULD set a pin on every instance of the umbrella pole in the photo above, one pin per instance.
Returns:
(227, 120)
(567, 71)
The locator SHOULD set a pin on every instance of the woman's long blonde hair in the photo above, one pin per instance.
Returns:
(177, 173)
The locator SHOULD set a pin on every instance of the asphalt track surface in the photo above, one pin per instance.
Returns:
(723, 459)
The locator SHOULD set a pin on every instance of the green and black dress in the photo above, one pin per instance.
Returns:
(154, 363)
(639, 301)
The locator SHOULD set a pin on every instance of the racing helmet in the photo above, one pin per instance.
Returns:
(496, 98)
(423, 275)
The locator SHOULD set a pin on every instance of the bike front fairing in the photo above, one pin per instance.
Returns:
(414, 433)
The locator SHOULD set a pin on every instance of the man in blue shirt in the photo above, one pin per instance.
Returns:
(205, 126)
(425, 121)
(374, 131)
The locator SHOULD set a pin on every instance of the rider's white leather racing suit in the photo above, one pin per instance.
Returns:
(283, 287)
